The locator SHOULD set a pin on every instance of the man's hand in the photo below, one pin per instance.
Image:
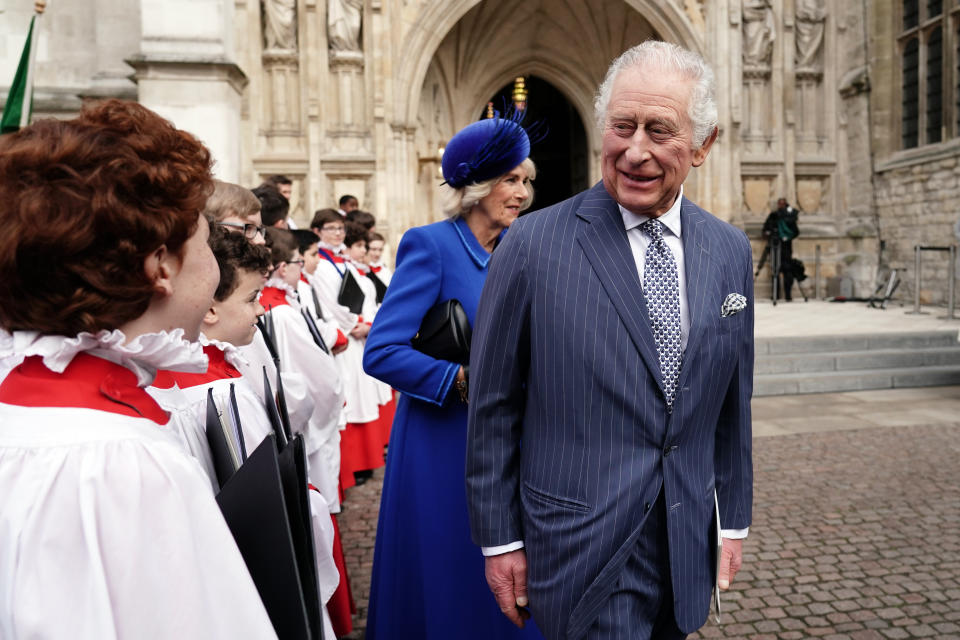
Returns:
(731, 559)
(507, 577)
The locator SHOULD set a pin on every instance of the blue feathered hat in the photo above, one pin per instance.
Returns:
(485, 149)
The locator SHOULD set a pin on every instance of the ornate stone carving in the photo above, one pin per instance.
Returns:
(759, 33)
(344, 18)
(280, 25)
(811, 15)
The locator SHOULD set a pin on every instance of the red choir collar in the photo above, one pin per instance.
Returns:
(219, 369)
(331, 256)
(88, 382)
(375, 269)
(272, 297)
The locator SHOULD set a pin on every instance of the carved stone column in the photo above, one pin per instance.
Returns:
(186, 71)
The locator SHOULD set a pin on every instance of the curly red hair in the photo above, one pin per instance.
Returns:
(83, 203)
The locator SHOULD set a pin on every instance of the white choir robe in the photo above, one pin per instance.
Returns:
(108, 529)
(191, 410)
(298, 352)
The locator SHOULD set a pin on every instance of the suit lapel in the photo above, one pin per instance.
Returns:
(699, 276)
(603, 239)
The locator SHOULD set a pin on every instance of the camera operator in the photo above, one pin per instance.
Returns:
(780, 229)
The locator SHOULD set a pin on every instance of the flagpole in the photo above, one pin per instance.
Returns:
(25, 110)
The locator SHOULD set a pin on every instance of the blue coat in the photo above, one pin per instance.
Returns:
(564, 360)
(428, 577)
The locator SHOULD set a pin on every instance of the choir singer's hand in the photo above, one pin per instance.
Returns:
(507, 577)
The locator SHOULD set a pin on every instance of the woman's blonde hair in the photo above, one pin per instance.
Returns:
(459, 201)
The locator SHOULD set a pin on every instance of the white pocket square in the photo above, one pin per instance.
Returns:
(735, 303)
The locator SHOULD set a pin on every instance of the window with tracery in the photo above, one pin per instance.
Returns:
(929, 47)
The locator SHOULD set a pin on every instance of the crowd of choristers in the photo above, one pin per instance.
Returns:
(287, 279)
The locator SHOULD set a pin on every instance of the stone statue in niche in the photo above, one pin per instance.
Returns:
(280, 24)
(811, 15)
(344, 18)
(758, 33)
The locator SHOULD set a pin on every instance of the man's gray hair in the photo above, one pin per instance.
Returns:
(666, 56)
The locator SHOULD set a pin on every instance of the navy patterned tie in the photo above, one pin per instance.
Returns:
(661, 287)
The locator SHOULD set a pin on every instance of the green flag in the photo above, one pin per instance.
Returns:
(16, 112)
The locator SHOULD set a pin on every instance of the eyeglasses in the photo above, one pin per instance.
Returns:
(249, 229)
(299, 262)
(335, 229)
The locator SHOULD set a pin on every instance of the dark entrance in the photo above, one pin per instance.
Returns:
(561, 157)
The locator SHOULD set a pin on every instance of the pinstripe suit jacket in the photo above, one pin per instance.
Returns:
(564, 361)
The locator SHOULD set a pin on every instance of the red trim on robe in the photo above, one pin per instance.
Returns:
(341, 605)
(341, 340)
(330, 256)
(219, 369)
(88, 382)
(272, 297)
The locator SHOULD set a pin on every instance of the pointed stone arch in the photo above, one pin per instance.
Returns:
(667, 20)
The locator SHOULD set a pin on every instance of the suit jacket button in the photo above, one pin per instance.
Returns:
(668, 450)
(646, 507)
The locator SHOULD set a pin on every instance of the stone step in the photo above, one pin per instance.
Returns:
(834, 381)
(817, 362)
(856, 342)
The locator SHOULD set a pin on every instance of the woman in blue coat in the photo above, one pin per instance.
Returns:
(428, 577)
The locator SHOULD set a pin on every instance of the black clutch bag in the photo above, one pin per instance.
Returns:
(351, 295)
(444, 333)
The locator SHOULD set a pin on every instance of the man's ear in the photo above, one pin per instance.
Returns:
(211, 317)
(700, 155)
(161, 266)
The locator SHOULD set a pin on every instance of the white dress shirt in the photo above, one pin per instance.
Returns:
(639, 241)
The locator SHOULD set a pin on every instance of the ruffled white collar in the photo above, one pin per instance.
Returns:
(292, 297)
(143, 355)
(335, 250)
(362, 267)
(230, 352)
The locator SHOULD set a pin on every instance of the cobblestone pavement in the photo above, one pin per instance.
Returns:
(856, 533)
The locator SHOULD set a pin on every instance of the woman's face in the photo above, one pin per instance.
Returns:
(237, 315)
(357, 251)
(374, 251)
(502, 205)
(194, 282)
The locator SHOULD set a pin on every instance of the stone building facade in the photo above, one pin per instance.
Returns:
(360, 96)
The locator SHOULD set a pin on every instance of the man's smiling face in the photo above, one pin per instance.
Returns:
(648, 140)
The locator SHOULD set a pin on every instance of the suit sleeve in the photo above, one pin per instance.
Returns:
(733, 461)
(498, 372)
(388, 355)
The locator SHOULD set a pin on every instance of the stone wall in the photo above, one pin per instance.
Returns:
(919, 203)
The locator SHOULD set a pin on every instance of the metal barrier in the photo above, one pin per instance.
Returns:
(951, 279)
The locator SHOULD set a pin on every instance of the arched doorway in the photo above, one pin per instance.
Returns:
(561, 156)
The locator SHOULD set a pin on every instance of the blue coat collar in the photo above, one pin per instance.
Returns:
(474, 249)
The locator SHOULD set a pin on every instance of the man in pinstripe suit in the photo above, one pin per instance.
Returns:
(602, 520)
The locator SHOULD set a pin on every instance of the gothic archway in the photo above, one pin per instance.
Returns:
(562, 157)
(469, 50)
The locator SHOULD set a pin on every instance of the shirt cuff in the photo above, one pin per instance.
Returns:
(503, 548)
(734, 534)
